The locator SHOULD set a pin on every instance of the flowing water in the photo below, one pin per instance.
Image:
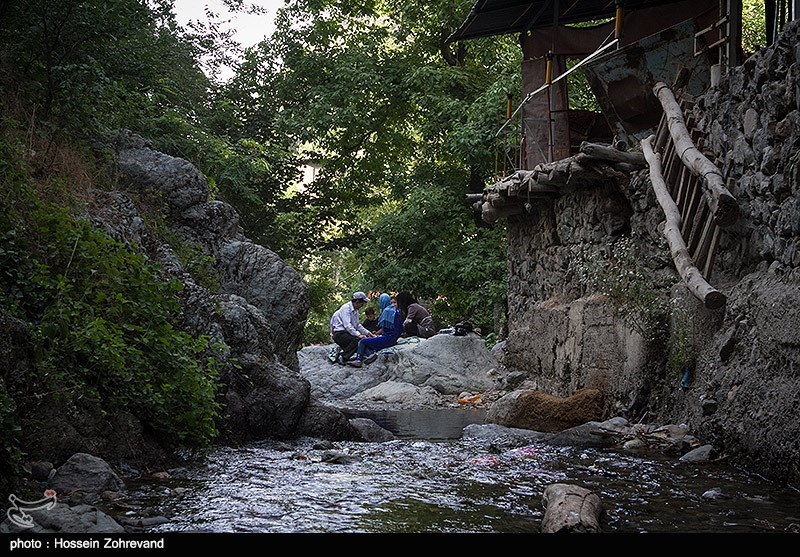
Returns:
(430, 480)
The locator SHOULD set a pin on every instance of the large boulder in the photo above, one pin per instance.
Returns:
(443, 364)
(86, 473)
(540, 411)
(265, 281)
(263, 400)
(324, 422)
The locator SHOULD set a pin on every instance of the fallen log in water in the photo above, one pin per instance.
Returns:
(571, 508)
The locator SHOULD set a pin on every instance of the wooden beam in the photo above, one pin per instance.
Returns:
(609, 153)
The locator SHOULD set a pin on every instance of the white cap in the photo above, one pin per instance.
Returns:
(360, 296)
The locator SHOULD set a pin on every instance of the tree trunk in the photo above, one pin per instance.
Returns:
(609, 153)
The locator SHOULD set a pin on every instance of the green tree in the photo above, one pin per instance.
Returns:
(398, 123)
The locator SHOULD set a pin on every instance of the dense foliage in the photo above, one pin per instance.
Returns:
(102, 319)
(397, 124)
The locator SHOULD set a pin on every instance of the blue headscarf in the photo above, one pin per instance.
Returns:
(386, 320)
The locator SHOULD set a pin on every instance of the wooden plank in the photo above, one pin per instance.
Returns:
(698, 225)
(712, 252)
(688, 216)
(682, 184)
(704, 247)
(671, 176)
(608, 153)
(662, 135)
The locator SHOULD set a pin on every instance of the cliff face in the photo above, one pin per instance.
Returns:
(257, 313)
(245, 300)
(744, 391)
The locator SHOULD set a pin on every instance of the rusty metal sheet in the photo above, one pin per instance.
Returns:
(623, 80)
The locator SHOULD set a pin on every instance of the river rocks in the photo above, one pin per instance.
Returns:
(396, 393)
(41, 471)
(370, 431)
(327, 423)
(338, 457)
(86, 473)
(540, 411)
(705, 453)
(502, 436)
(80, 519)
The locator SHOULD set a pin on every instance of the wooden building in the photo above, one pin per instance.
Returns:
(624, 47)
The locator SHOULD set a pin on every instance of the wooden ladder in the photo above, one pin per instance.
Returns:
(690, 190)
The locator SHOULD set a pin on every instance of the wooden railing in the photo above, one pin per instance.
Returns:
(691, 191)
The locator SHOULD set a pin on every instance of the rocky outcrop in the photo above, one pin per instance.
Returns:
(252, 305)
(417, 372)
(258, 310)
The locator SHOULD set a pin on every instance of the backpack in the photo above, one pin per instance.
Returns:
(462, 329)
(333, 355)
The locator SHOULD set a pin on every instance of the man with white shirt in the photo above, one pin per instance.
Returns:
(346, 329)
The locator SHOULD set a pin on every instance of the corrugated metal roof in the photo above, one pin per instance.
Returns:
(499, 17)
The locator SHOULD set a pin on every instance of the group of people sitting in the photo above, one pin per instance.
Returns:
(358, 343)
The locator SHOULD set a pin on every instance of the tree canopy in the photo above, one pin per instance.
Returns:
(396, 125)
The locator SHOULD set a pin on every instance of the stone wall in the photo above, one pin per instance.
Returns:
(744, 392)
(564, 335)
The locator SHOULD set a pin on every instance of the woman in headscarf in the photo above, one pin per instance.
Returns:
(390, 327)
(418, 321)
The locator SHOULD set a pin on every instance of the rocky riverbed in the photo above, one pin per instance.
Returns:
(448, 467)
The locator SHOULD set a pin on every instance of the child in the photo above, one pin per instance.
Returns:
(370, 322)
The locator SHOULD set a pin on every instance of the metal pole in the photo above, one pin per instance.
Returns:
(770, 20)
(548, 79)
(618, 24)
(508, 117)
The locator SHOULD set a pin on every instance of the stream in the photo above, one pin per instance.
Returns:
(430, 480)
